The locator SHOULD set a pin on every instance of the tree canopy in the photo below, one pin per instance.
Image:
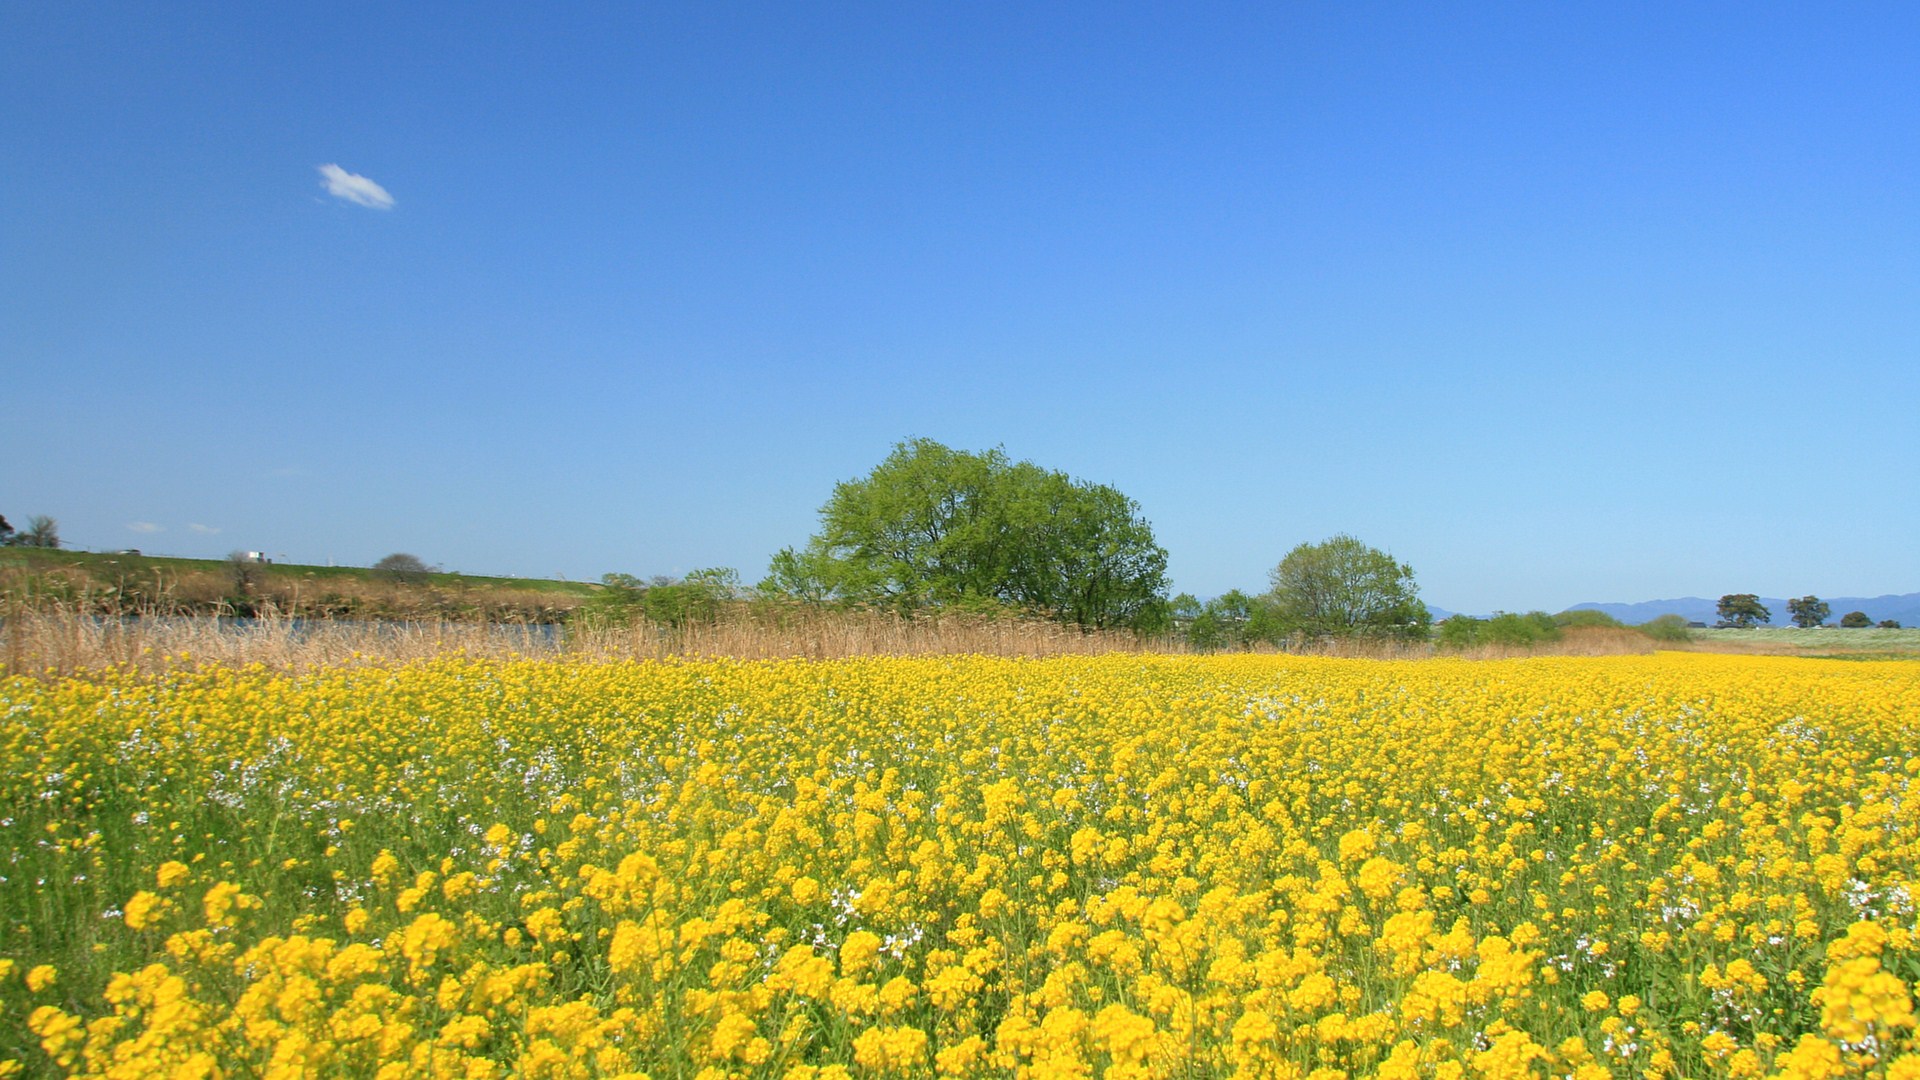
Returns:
(403, 566)
(1341, 587)
(936, 527)
(1742, 611)
(1808, 611)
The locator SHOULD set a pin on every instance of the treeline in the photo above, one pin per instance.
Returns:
(1744, 611)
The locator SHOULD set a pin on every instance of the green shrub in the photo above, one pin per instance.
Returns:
(1586, 617)
(1521, 631)
(1459, 632)
(1667, 628)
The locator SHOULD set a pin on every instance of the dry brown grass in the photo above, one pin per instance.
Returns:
(63, 641)
(59, 642)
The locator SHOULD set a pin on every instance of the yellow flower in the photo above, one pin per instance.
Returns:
(858, 952)
(41, 977)
(890, 1049)
(144, 909)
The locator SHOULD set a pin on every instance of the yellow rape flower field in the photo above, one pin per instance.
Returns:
(1672, 866)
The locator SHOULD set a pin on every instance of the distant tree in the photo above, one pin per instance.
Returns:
(243, 576)
(1855, 620)
(1667, 628)
(1459, 632)
(41, 532)
(400, 566)
(1743, 611)
(1341, 587)
(1521, 631)
(6, 531)
(1221, 623)
(1808, 611)
(934, 527)
(696, 598)
(1888, 624)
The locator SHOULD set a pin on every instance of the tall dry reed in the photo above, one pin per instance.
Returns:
(53, 642)
(59, 642)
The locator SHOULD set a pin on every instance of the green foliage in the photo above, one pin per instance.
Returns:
(695, 598)
(1808, 611)
(1340, 587)
(1504, 628)
(670, 602)
(1742, 611)
(1587, 618)
(1667, 628)
(1224, 622)
(1855, 620)
(936, 527)
(1459, 632)
(1888, 624)
(1521, 631)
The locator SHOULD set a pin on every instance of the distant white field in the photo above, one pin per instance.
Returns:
(1870, 638)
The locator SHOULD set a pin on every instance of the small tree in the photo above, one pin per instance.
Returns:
(1855, 620)
(1221, 623)
(1459, 632)
(695, 598)
(6, 531)
(1743, 611)
(401, 566)
(41, 532)
(1889, 624)
(1341, 587)
(1808, 611)
(1667, 628)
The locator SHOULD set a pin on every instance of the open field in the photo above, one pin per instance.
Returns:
(1127, 866)
(1824, 640)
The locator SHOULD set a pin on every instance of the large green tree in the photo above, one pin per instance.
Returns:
(936, 527)
(1742, 611)
(1340, 587)
(1808, 611)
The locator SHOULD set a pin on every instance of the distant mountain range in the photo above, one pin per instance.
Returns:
(1904, 609)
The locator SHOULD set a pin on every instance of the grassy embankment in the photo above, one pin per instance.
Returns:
(117, 585)
(1865, 643)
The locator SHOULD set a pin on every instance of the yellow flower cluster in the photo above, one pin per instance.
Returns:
(1127, 867)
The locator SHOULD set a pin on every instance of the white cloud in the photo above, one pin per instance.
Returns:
(204, 530)
(354, 188)
(145, 527)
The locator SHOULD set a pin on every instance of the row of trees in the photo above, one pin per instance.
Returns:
(1743, 611)
(934, 527)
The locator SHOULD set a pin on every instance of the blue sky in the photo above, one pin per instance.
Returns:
(1557, 302)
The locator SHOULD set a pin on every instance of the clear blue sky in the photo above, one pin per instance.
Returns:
(1557, 302)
